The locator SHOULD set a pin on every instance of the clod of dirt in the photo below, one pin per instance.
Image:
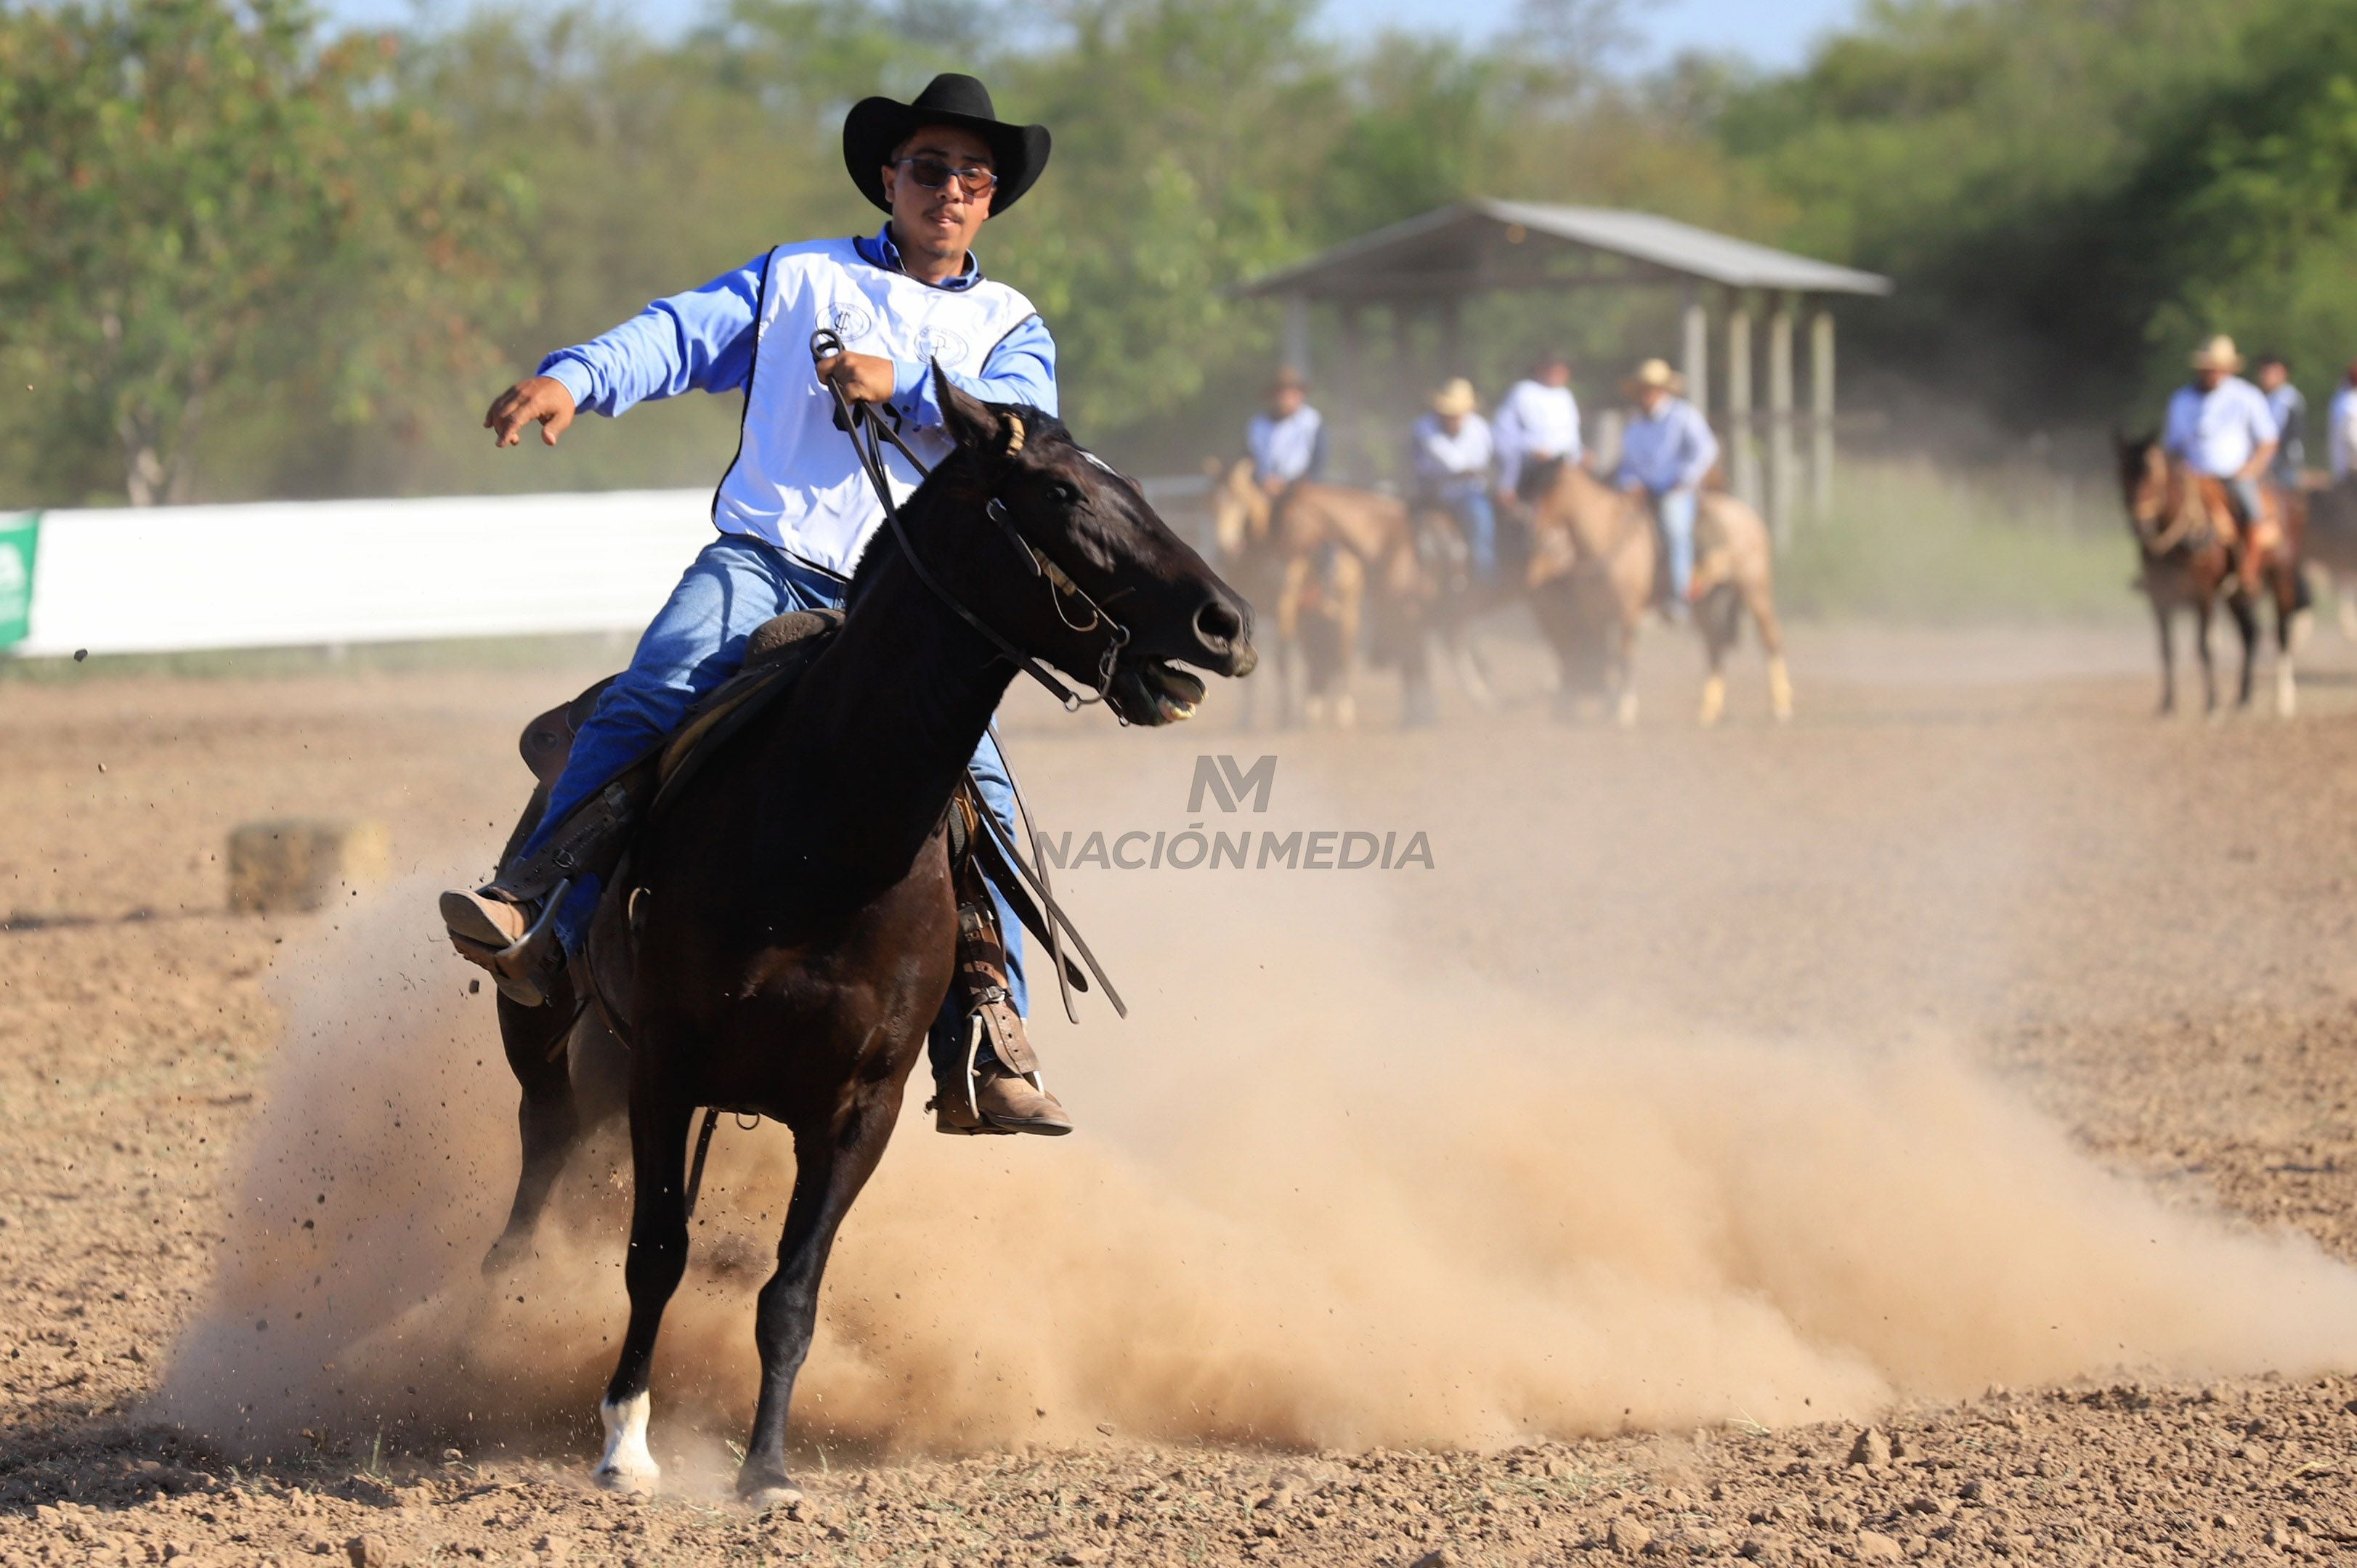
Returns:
(1626, 1535)
(370, 1551)
(1873, 1546)
(1872, 1449)
(1438, 1557)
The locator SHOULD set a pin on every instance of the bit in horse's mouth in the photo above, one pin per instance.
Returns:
(1155, 692)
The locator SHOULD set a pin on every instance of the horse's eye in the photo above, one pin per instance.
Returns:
(1063, 494)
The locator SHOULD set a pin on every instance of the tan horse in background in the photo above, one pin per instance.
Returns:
(1327, 553)
(1593, 560)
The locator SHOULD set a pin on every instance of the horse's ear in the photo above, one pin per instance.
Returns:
(972, 423)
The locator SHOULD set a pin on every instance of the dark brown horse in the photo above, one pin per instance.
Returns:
(784, 935)
(2184, 529)
(2328, 547)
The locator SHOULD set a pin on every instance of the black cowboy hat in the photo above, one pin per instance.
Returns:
(876, 126)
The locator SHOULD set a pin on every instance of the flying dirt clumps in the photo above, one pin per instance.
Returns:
(1352, 1202)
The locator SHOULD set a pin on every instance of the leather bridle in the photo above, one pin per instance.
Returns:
(868, 432)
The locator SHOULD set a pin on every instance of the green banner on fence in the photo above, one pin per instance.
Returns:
(18, 537)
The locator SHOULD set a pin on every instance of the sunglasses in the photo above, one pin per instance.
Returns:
(934, 173)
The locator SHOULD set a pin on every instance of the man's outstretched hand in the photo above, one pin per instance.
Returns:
(539, 398)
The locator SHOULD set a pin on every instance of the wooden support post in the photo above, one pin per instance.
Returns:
(1821, 416)
(1342, 414)
(1297, 332)
(1742, 457)
(1448, 325)
(1779, 421)
(1695, 363)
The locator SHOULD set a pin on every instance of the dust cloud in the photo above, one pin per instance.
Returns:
(1327, 1193)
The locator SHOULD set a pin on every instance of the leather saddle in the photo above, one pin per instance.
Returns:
(777, 655)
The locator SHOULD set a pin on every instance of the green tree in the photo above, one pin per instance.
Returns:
(205, 207)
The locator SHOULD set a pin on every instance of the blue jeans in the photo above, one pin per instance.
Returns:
(1676, 510)
(1469, 502)
(696, 642)
(2246, 496)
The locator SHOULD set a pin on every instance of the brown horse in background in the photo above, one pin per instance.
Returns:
(1591, 576)
(1325, 559)
(2329, 546)
(2184, 529)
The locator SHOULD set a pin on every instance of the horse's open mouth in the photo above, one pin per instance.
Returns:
(1152, 691)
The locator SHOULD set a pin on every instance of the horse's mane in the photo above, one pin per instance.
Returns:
(950, 480)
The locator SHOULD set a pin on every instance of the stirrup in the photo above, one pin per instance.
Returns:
(957, 1107)
(520, 982)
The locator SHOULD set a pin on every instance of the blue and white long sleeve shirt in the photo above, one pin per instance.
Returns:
(1446, 459)
(2218, 431)
(794, 483)
(1671, 448)
(1288, 449)
(703, 341)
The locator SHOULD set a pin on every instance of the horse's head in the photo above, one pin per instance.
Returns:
(2147, 487)
(2144, 476)
(1241, 510)
(1082, 574)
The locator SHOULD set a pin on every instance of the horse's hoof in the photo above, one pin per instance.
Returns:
(639, 1483)
(767, 1489)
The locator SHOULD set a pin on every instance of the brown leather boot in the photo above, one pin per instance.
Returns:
(996, 1089)
(517, 943)
(996, 1101)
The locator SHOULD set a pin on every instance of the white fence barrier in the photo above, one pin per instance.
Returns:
(141, 580)
(292, 574)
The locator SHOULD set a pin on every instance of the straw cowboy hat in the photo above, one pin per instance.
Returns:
(2218, 354)
(1454, 398)
(876, 126)
(1653, 374)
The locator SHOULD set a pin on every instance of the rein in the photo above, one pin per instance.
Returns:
(868, 432)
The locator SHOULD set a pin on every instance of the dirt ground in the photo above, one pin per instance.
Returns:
(2134, 935)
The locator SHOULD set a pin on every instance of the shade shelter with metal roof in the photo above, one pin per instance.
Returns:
(1435, 261)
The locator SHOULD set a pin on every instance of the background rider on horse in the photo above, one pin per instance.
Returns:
(1452, 451)
(1287, 440)
(794, 510)
(2218, 424)
(1665, 453)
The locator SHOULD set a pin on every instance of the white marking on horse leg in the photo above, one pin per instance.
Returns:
(1780, 688)
(2348, 597)
(1625, 711)
(2286, 688)
(1714, 700)
(626, 1467)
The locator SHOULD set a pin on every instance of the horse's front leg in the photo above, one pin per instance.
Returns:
(2291, 626)
(1350, 605)
(1624, 677)
(658, 1258)
(2246, 611)
(2204, 607)
(2160, 621)
(830, 1168)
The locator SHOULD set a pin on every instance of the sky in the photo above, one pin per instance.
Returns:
(1775, 32)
